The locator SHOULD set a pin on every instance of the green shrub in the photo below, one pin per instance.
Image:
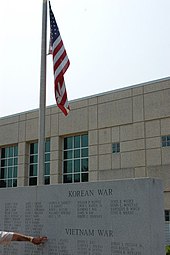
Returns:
(168, 250)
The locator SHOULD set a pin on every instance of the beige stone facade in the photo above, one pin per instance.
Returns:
(136, 117)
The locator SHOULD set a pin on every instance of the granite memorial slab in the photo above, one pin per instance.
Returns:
(100, 218)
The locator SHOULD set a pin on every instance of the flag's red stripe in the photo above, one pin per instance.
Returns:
(57, 48)
(63, 109)
(60, 60)
(64, 98)
(64, 69)
(58, 83)
(60, 67)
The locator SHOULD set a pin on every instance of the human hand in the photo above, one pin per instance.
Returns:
(39, 240)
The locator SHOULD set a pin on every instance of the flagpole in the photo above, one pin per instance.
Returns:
(42, 103)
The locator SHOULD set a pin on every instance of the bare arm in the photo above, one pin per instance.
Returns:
(34, 240)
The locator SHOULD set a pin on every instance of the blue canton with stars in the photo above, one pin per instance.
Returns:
(54, 28)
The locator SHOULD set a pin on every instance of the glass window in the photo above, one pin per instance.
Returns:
(47, 163)
(165, 140)
(67, 178)
(167, 215)
(68, 166)
(84, 141)
(68, 143)
(75, 159)
(84, 177)
(77, 153)
(115, 147)
(77, 165)
(33, 164)
(9, 166)
(77, 142)
(76, 177)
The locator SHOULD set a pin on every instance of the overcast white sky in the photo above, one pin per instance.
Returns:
(110, 43)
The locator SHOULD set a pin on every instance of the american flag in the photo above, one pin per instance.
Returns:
(60, 64)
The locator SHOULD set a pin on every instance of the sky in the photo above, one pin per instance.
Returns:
(111, 44)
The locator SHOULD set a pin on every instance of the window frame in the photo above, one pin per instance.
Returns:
(165, 141)
(10, 167)
(47, 162)
(167, 215)
(75, 156)
(115, 147)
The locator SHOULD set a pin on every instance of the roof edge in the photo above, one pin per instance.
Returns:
(94, 95)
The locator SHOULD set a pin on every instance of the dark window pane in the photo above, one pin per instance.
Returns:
(67, 178)
(163, 144)
(10, 182)
(165, 141)
(77, 153)
(15, 172)
(47, 157)
(15, 151)
(115, 147)
(33, 170)
(84, 152)
(163, 138)
(68, 143)
(68, 154)
(76, 177)
(10, 162)
(77, 142)
(2, 183)
(84, 165)
(15, 161)
(34, 159)
(10, 172)
(3, 162)
(47, 168)
(11, 154)
(14, 182)
(6, 152)
(33, 148)
(33, 181)
(47, 146)
(84, 177)
(68, 166)
(84, 140)
(3, 153)
(47, 180)
(167, 215)
(77, 165)
(36, 148)
(3, 173)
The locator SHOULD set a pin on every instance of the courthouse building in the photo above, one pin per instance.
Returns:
(119, 134)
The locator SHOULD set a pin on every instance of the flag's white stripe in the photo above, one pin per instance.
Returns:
(66, 105)
(60, 67)
(61, 89)
(60, 94)
(58, 55)
(59, 98)
(57, 41)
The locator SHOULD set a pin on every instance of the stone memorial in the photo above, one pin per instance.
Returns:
(99, 218)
